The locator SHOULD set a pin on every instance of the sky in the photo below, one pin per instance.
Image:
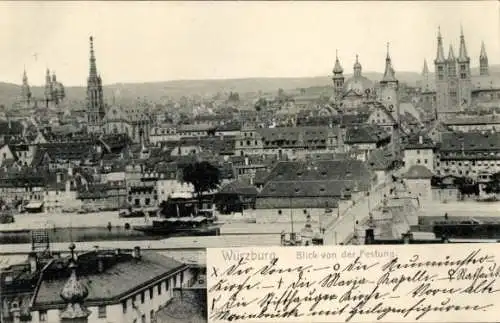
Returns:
(160, 41)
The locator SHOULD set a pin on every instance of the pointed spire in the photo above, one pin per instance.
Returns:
(93, 67)
(25, 77)
(440, 52)
(357, 67)
(425, 70)
(483, 54)
(74, 293)
(389, 74)
(337, 69)
(462, 55)
(451, 55)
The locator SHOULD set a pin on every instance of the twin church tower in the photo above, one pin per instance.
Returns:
(453, 80)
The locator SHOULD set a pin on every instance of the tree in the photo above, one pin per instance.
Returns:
(203, 176)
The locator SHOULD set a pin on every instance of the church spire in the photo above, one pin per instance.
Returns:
(389, 74)
(25, 77)
(425, 70)
(483, 61)
(93, 67)
(451, 54)
(74, 293)
(440, 52)
(357, 67)
(462, 55)
(337, 69)
(483, 51)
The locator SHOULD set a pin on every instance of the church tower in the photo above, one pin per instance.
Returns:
(389, 96)
(357, 69)
(48, 88)
(25, 92)
(441, 77)
(451, 63)
(74, 294)
(95, 101)
(483, 61)
(338, 79)
(464, 76)
(389, 87)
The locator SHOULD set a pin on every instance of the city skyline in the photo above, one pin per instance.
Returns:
(190, 40)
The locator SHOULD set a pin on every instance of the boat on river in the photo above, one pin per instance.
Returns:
(189, 225)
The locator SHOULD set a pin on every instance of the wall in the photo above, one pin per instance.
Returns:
(420, 188)
(424, 157)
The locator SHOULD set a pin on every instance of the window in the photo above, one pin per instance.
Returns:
(182, 278)
(151, 315)
(143, 318)
(43, 316)
(418, 161)
(166, 284)
(124, 306)
(159, 289)
(151, 293)
(305, 211)
(418, 151)
(279, 212)
(175, 281)
(142, 298)
(101, 311)
(425, 161)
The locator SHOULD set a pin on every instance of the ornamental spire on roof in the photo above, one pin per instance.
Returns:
(451, 54)
(74, 293)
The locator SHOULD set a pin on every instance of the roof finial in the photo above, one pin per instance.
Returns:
(388, 49)
(439, 31)
(461, 30)
(337, 54)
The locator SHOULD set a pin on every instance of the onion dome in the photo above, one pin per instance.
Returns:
(337, 69)
(74, 292)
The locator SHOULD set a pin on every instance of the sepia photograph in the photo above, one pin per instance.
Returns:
(249, 161)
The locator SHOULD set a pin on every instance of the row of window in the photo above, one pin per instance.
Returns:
(162, 286)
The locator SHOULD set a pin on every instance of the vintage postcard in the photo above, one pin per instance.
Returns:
(249, 161)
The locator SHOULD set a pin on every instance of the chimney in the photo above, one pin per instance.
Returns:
(32, 259)
(16, 312)
(420, 140)
(136, 254)
(369, 236)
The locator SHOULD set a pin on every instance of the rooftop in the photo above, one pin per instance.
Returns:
(118, 274)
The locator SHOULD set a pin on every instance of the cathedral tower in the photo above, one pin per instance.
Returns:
(95, 101)
(25, 92)
(441, 77)
(451, 63)
(483, 61)
(357, 67)
(48, 88)
(389, 96)
(338, 79)
(464, 76)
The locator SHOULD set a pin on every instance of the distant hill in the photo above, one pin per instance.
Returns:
(157, 91)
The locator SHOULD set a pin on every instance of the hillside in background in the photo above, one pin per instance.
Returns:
(159, 91)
